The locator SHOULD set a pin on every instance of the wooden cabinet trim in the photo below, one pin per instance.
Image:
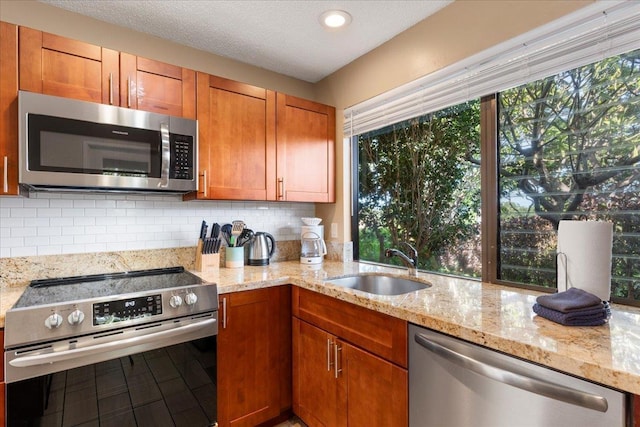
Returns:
(188, 93)
(70, 46)
(30, 59)
(378, 333)
(238, 87)
(157, 67)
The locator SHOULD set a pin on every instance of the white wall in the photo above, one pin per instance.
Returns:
(58, 223)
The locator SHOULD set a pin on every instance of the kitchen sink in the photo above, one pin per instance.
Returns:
(379, 284)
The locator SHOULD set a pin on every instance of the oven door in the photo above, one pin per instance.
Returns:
(157, 374)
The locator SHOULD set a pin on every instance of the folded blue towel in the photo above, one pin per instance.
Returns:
(592, 316)
(573, 299)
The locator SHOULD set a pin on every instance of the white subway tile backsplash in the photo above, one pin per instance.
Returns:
(49, 250)
(60, 223)
(84, 220)
(49, 212)
(24, 231)
(58, 203)
(12, 222)
(12, 202)
(84, 203)
(24, 251)
(23, 212)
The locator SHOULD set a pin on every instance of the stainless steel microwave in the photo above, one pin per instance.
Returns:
(71, 145)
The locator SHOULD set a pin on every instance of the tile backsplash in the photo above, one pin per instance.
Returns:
(61, 223)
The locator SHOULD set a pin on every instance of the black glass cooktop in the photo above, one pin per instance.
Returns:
(69, 289)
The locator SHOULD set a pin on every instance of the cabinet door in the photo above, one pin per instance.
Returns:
(377, 390)
(305, 143)
(319, 398)
(249, 370)
(59, 66)
(8, 109)
(157, 87)
(236, 140)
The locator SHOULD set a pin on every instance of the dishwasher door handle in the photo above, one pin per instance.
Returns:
(533, 385)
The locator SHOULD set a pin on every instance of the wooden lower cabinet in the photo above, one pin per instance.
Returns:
(338, 380)
(254, 357)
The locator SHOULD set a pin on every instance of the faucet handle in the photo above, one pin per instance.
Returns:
(413, 250)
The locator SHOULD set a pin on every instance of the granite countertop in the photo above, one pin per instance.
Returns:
(495, 316)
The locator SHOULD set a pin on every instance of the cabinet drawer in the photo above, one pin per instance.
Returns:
(381, 334)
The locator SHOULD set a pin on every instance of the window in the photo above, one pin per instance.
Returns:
(419, 182)
(569, 148)
(559, 147)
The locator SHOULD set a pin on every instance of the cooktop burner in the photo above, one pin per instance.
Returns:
(58, 290)
(65, 308)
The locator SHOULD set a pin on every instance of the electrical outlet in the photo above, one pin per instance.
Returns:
(334, 230)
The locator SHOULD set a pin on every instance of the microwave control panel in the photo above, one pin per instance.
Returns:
(182, 157)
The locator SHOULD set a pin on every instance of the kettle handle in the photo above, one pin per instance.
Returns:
(273, 243)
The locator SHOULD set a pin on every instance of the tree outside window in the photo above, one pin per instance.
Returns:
(419, 182)
(569, 149)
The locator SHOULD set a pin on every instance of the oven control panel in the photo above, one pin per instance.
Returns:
(126, 309)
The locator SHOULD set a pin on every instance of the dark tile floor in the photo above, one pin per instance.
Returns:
(174, 386)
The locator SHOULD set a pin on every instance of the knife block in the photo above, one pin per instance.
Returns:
(206, 262)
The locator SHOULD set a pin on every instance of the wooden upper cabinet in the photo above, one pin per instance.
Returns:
(305, 142)
(157, 87)
(59, 66)
(236, 140)
(8, 109)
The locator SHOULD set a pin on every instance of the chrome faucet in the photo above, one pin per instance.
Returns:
(410, 262)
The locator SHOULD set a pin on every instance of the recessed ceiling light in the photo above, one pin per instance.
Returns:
(333, 19)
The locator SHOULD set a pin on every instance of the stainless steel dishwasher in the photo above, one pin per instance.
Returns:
(453, 383)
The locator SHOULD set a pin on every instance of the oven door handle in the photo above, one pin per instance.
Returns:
(61, 356)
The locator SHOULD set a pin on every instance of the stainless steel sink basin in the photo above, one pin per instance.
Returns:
(379, 284)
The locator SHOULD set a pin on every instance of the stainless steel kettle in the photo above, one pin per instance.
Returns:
(261, 248)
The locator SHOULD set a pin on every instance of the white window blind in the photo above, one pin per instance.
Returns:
(598, 31)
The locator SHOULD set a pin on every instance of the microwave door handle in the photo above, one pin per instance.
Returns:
(166, 156)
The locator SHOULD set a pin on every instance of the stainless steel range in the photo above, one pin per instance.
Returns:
(133, 348)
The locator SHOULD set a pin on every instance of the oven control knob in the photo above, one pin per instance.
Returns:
(190, 298)
(175, 301)
(76, 317)
(53, 321)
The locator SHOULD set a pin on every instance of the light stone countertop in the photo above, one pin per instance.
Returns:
(497, 317)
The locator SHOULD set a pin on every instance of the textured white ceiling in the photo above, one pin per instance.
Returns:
(282, 36)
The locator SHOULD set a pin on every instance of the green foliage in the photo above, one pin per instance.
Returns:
(569, 148)
(419, 183)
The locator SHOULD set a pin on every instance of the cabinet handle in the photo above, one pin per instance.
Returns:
(224, 313)
(129, 91)
(204, 183)
(280, 188)
(5, 181)
(166, 155)
(329, 343)
(336, 368)
(111, 88)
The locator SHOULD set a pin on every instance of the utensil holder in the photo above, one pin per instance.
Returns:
(206, 262)
(234, 257)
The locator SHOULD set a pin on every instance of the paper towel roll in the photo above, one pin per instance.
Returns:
(584, 257)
